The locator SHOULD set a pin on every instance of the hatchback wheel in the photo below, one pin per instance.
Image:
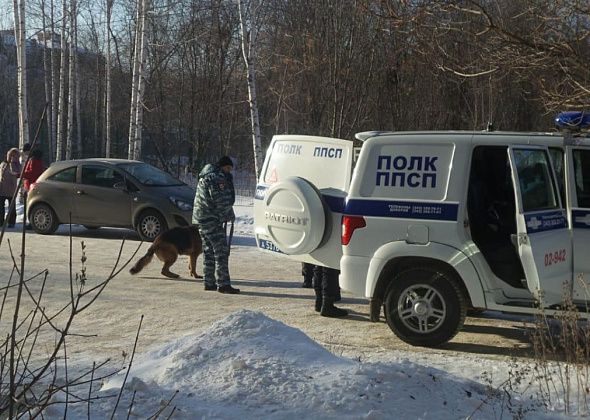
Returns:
(43, 219)
(150, 224)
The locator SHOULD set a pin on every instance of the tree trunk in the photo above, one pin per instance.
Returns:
(79, 151)
(141, 82)
(60, 141)
(135, 82)
(20, 38)
(47, 79)
(108, 80)
(249, 53)
(70, 123)
(54, 86)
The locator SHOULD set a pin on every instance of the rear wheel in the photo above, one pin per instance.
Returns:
(150, 224)
(425, 307)
(43, 219)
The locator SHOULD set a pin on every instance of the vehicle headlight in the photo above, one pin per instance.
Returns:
(181, 204)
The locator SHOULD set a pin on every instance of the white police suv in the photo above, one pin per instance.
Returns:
(429, 224)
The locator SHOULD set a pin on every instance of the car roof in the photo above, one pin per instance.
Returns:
(72, 162)
(475, 137)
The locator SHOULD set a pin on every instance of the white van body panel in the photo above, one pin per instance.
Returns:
(370, 269)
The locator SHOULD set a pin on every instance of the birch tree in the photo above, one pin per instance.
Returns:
(135, 87)
(47, 77)
(19, 36)
(72, 53)
(54, 86)
(60, 138)
(77, 89)
(141, 83)
(108, 105)
(249, 40)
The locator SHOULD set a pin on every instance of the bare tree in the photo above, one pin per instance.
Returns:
(21, 47)
(60, 138)
(72, 53)
(142, 58)
(108, 65)
(47, 76)
(249, 39)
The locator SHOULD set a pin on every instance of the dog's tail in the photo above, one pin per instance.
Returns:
(143, 261)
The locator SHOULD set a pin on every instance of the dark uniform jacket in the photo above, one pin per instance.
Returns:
(214, 198)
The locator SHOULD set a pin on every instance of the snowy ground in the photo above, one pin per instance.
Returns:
(253, 362)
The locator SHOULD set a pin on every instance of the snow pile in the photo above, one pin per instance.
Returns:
(250, 366)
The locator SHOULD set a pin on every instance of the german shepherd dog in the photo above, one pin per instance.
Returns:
(169, 245)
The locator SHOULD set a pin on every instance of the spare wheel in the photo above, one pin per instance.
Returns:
(294, 216)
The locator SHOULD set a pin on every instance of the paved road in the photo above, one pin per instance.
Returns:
(171, 308)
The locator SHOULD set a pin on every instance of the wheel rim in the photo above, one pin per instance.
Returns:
(150, 226)
(421, 308)
(42, 219)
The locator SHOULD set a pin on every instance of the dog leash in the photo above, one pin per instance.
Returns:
(231, 235)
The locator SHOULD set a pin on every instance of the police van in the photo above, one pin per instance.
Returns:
(429, 224)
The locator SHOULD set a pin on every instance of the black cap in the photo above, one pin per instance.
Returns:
(224, 161)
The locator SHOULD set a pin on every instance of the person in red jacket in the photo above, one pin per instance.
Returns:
(33, 170)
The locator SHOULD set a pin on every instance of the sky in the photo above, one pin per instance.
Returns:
(248, 365)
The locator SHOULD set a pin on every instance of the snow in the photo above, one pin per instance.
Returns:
(247, 365)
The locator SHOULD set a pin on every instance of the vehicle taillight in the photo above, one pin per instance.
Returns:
(349, 224)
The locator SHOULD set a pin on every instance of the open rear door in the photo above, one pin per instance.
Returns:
(300, 197)
(578, 173)
(544, 242)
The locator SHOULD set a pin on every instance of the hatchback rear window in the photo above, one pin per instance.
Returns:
(66, 175)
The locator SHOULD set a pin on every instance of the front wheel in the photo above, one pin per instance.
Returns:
(150, 224)
(43, 219)
(424, 307)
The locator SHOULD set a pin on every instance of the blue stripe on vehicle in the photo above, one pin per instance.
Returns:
(544, 221)
(336, 204)
(384, 208)
(581, 219)
(403, 209)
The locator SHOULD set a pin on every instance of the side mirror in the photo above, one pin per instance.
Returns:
(121, 185)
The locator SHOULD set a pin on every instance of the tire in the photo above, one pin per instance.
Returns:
(424, 307)
(43, 219)
(150, 224)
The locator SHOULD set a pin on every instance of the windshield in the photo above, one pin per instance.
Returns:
(149, 175)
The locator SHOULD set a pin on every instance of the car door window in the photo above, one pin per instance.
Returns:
(536, 186)
(582, 177)
(100, 176)
(66, 175)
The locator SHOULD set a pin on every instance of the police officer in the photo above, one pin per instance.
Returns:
(213, 207)
(307, 273)
(325, 284)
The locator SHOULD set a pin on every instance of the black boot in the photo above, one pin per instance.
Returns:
(329, 310)
(338, 296)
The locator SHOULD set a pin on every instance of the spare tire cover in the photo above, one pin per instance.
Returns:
(294, 216)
